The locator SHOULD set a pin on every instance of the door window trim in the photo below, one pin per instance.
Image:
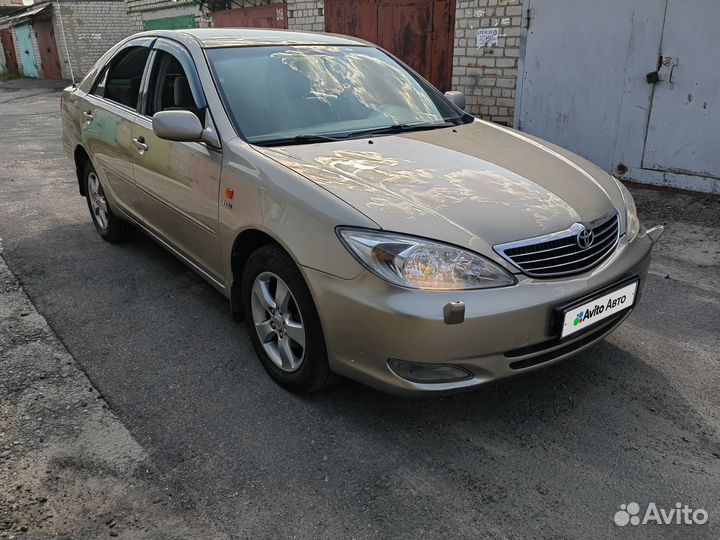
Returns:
(188, 64)
(147, 75)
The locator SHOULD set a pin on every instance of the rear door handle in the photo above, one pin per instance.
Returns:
(140, 145)
(88, 115)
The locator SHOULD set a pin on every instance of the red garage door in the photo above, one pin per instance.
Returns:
(267, 16)
(9, 49)
(48, 49)
(419, 32)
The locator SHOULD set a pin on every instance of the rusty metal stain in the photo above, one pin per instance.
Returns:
(265, 16)
(419, 32)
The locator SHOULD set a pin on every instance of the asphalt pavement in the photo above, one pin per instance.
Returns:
(552, 454)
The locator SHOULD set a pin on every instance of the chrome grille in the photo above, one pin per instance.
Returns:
(560, 253)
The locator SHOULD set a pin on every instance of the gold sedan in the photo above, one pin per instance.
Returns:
(358, 220)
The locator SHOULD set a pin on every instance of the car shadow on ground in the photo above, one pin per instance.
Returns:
(119, 277)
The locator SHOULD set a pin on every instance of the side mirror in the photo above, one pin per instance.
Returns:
(177, 126)
(458, 98)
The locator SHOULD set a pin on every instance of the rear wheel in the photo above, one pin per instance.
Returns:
(108, 225)
(283, 322)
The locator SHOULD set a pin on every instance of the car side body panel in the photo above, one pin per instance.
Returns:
(178, 184)
(107, 138)
(300, 215)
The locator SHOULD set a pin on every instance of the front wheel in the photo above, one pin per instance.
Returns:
(108, 225)
(283, 322)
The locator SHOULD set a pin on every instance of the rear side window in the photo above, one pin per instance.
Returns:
(120, 82)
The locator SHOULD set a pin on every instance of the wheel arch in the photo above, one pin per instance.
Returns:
(244, 245)
(81, 158)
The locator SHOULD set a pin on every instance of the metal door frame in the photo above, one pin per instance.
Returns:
(625, 163)
(526, 17)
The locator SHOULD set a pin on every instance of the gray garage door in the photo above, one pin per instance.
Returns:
(583, 85)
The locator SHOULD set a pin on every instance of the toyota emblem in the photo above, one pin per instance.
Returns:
(585, 238)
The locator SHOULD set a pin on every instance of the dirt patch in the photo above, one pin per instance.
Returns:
(690, 241)
(68, 466)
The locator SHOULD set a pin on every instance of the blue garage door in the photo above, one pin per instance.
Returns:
(28, 64)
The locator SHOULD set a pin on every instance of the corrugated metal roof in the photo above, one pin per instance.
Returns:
(23, 15)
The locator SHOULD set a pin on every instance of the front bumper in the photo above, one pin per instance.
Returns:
(506, 331)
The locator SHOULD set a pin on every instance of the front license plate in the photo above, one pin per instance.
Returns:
(585, 315)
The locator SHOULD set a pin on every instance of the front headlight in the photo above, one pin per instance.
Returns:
(632, 223)
(422, 264)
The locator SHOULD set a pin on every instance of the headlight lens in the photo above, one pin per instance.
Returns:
(422, 264)
(632, 223)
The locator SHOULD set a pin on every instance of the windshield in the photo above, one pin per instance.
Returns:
(277, 94)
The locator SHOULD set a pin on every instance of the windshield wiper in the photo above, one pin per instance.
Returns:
(317, 138)
(313, 138)
(400, 128)
(301, 139)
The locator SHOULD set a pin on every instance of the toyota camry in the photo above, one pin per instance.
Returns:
(359, 221)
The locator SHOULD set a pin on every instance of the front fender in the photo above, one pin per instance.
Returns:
(300, 215)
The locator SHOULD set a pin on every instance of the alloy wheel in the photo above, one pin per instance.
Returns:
(278, 322)
(98, 202)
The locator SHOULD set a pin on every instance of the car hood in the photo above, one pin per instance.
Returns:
(475, 185)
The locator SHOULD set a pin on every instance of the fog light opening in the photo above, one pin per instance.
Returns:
(428, 373)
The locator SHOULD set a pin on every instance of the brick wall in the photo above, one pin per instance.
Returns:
(487, 75)
(91, 28)
(306, 15)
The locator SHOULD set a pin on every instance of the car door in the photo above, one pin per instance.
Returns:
(107, 115)
(178, 182)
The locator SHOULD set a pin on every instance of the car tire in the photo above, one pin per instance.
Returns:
(284, 327)
(110, 227)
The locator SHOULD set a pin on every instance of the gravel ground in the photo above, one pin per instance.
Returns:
(552, 454)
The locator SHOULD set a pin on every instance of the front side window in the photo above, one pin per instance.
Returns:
(279, 93)
(120, 82)
(170, 88)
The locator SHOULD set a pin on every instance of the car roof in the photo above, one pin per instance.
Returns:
(253, 37)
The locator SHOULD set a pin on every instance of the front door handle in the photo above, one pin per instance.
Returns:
(88, 115)
(140, 145)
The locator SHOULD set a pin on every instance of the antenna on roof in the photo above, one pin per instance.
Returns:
(67, 51)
